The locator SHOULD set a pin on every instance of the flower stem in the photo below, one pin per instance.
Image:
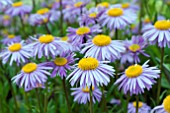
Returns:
(140, 17)
(104, 101)
(27, 102)
(66, 94)
(91, 101)
(33, 4)
(137, 103)
(23, 26)
(96, 2)
(127, 102)
(47, 28)
(38, 100)
(159, 80)
(116, 34)
(45, 103)
(61, 18)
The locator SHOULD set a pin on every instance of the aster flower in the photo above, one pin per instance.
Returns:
(142, 107)
(104, 5)
(5, 20)
(77, 36)
(136, 78)
(117, 18)
(102, 47)
(32, 76)
(158, 33)
(146, 22)
(91, 72)
(4, 4)
(127, 7)
(18, 52)
(47, 45)
(135, 47)
(11, 39)
(56, 4)
(62, 64)
(81, 95)
(164, 108)
(18, 9)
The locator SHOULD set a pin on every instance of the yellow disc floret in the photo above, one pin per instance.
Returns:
(78, 4)
(166, 104)
(60, 61)
(17, 4)
(46, 39)
(104, 4)
(6, 17)
(87, 90)
(140, 104)
(43, 11)
(134, 47)
(30, 67)
(162, 25)
(15, 47)
(101, 40)
(133, 71)
(125, 5)
(93, 15)
(88, 63)
(11, 36)
(82, 30)
(64, 38)
(114, 12)
(147, 20)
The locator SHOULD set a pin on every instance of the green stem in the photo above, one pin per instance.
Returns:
(159, 80)
(45, 103)
(23, 27)
(27, 102)
(38, 100)
(96, 2)
(104, 101)
(66, 94)
(33, 4)
(47, 28)
(127, 102)
(61, 18)
(116, 34)
(91, 101)
(137, 103)
(140, 17)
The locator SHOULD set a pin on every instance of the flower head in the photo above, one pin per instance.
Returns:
(11, 39)
(136, 78)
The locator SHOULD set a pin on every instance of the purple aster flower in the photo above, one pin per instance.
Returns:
(82, 96)
(77, 36)
(102, 47)
(56, 4)
(127, 6)
(136, 78)
(164, 108)
(158, 33)
(18, 52)
(5, 20)
(126, 57)
(32, 76)
(11, 39)
(4, 4)
(18, 9)
(62, 64)
(104, 5)
(142, 108)
(115, 101)
(47, 45)
(117, 18)
(90, 71)
(135, 46)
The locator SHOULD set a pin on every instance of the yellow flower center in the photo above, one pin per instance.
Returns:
(101, 40)
(147, 20)
(125, 5)
(134, 47)
(166, 104)
(133, 71)
(78, 4)
(43, 11)
(46, 39)
(93, 15)
(30, 67)
(88, 63)
(114, 12)
(6, 17)
(45, 20)
(11, 36)
(17, 4)
(60, 61)
(15, 47)
(64, 38)
(87, 90)
(162, 25)
(104, 4)
(82, 30)
(140, 104)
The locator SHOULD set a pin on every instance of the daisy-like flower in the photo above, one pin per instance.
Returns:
(18, 9)
(62, 64)
(164, 108)
(81, 95)
(77, 36)
(142, 107)
(128, 7)
(136, 78)
(158, 33)
(117, 18)
(104, 5)
(11, 39)
(32, 76)
(135, 47)
(4, 4)
(18, 52)
(91, 72)
(47, 45)
(5, 20)
(102, 47)
(64, 3)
